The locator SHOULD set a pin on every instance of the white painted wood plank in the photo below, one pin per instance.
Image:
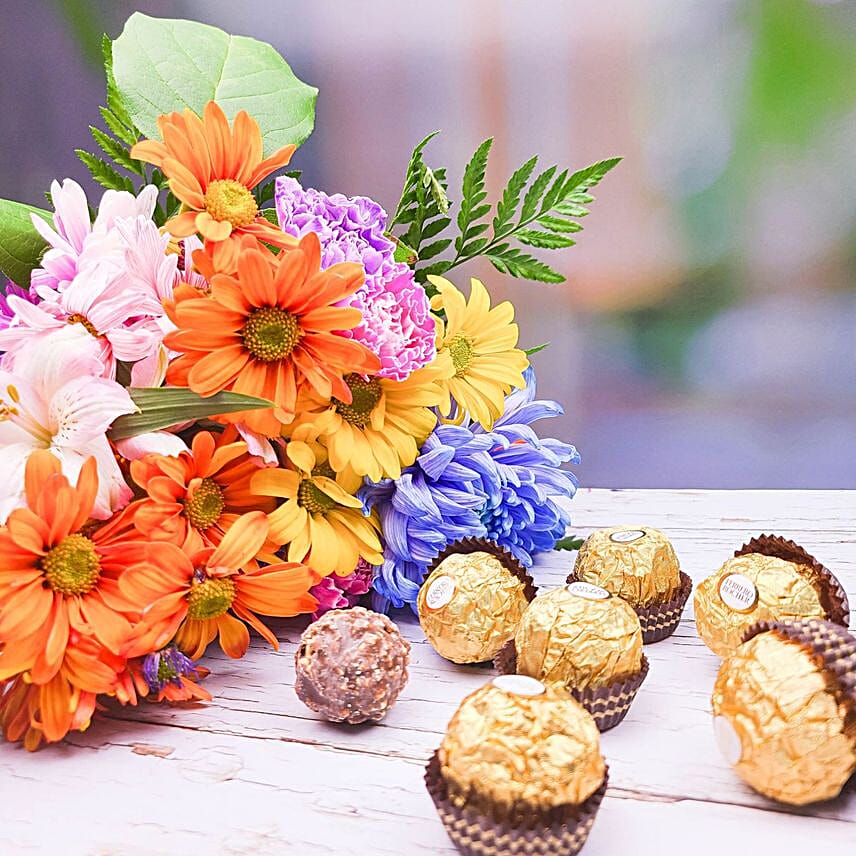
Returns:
(256, 771)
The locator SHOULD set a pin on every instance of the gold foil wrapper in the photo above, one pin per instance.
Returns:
(637, 563)
(470, 605)
(504, 748)
(782, 722)
(726, 605)
(578, 640)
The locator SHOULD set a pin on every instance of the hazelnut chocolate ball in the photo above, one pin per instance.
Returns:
(351, 665)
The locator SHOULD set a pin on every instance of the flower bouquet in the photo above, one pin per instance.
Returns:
(226, 396)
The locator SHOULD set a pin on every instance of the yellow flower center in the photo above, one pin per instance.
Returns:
(462, 353)
(72, 567)
(209, 597)
(226, 199)
(313, 499)
(204, 508)
(365, 396)
(271, 333)
(84, 321)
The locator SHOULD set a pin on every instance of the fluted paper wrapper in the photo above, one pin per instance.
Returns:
(469, 610)
(607, 704)
(491, 830)
(660, 620)
(833, 598)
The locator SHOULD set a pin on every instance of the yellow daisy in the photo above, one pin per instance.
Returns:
(319, 519)
(381, 430)
(476, 344)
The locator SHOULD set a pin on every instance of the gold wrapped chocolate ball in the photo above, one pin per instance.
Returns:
(769, 579)
(785, 710)
(519, 770)
(638, 564)
(579, 635)
(472, 600)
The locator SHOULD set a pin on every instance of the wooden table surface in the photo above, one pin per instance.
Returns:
(256, 772)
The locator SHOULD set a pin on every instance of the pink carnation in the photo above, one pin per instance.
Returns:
(336, 592)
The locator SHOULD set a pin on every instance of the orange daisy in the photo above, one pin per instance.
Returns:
(194, 498)
(58, 577)
(197, 596)
(267, 331)
(212, 170)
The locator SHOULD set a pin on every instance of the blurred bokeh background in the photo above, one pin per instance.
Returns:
(706, 336)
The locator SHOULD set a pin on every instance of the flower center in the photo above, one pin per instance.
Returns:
(461, 350)
(84, 321)
(313, 499)
(366, 394)
(204, 508)
(167, 666)
(227, 199)
(271, 333)
(72, 567)
(209, 597)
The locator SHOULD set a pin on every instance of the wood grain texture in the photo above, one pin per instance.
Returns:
(256, 772)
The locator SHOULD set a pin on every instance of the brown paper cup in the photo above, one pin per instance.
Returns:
(608, 704)
(482, 545)
(833, 598)
(561, 831)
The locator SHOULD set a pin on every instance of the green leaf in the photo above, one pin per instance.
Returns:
(557, 224)
(543, 240)
(111, 120)
(161, 65)
(114, 99)
(589, 176)
(115, 150)
(473, 193)
(569, 542)
(434, 249)
(516, 263)
(103, 173)
(532, 199)
(166, 406)
(538, 348)
(21, 246)
(507, 205)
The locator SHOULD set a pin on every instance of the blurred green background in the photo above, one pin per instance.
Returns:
(706, 336)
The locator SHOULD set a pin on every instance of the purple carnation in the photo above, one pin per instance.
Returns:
(335, 592)
(397, 323)
(7, 314)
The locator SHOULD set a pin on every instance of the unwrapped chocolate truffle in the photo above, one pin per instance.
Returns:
(579, 635)
(769, 579)
(472, 600)
(519, 770)
(638, 564)
(785, 710)
(351, 665)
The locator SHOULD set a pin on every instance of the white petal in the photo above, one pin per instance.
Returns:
(157, 442)
(84, 409)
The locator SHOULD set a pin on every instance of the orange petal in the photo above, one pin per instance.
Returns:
(211, 229)
(234, 636)
(215, 370)
(40, 466)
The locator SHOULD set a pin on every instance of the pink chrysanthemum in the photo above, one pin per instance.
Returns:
(335, 592)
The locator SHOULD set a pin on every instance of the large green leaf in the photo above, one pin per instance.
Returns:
(21, 246)
(166, 406)
(161, 65)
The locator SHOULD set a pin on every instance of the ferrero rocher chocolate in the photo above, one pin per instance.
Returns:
(516, 741)
(637, 563)
(785, 710)
(470, 605)
(748, 589)
(579, 635)
(351, 665)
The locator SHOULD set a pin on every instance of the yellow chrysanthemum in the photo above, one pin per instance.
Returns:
(476, 345)
(319, 519)
(381, 430)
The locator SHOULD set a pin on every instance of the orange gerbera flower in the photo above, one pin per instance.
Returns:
(268, 331)
(212, 169)
(195, 597)
(194, 498)
(58, 577)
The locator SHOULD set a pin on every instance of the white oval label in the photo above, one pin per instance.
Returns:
(521, 685)
(728, 740)
(627, 536)
(439, 592)
(738, 592)
(588, 591)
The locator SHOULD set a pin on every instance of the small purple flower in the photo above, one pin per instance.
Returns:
(397, 323)
(167, 666)
(7, 314)
(335, 592)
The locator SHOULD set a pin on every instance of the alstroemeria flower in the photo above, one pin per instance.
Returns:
(54, 399)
